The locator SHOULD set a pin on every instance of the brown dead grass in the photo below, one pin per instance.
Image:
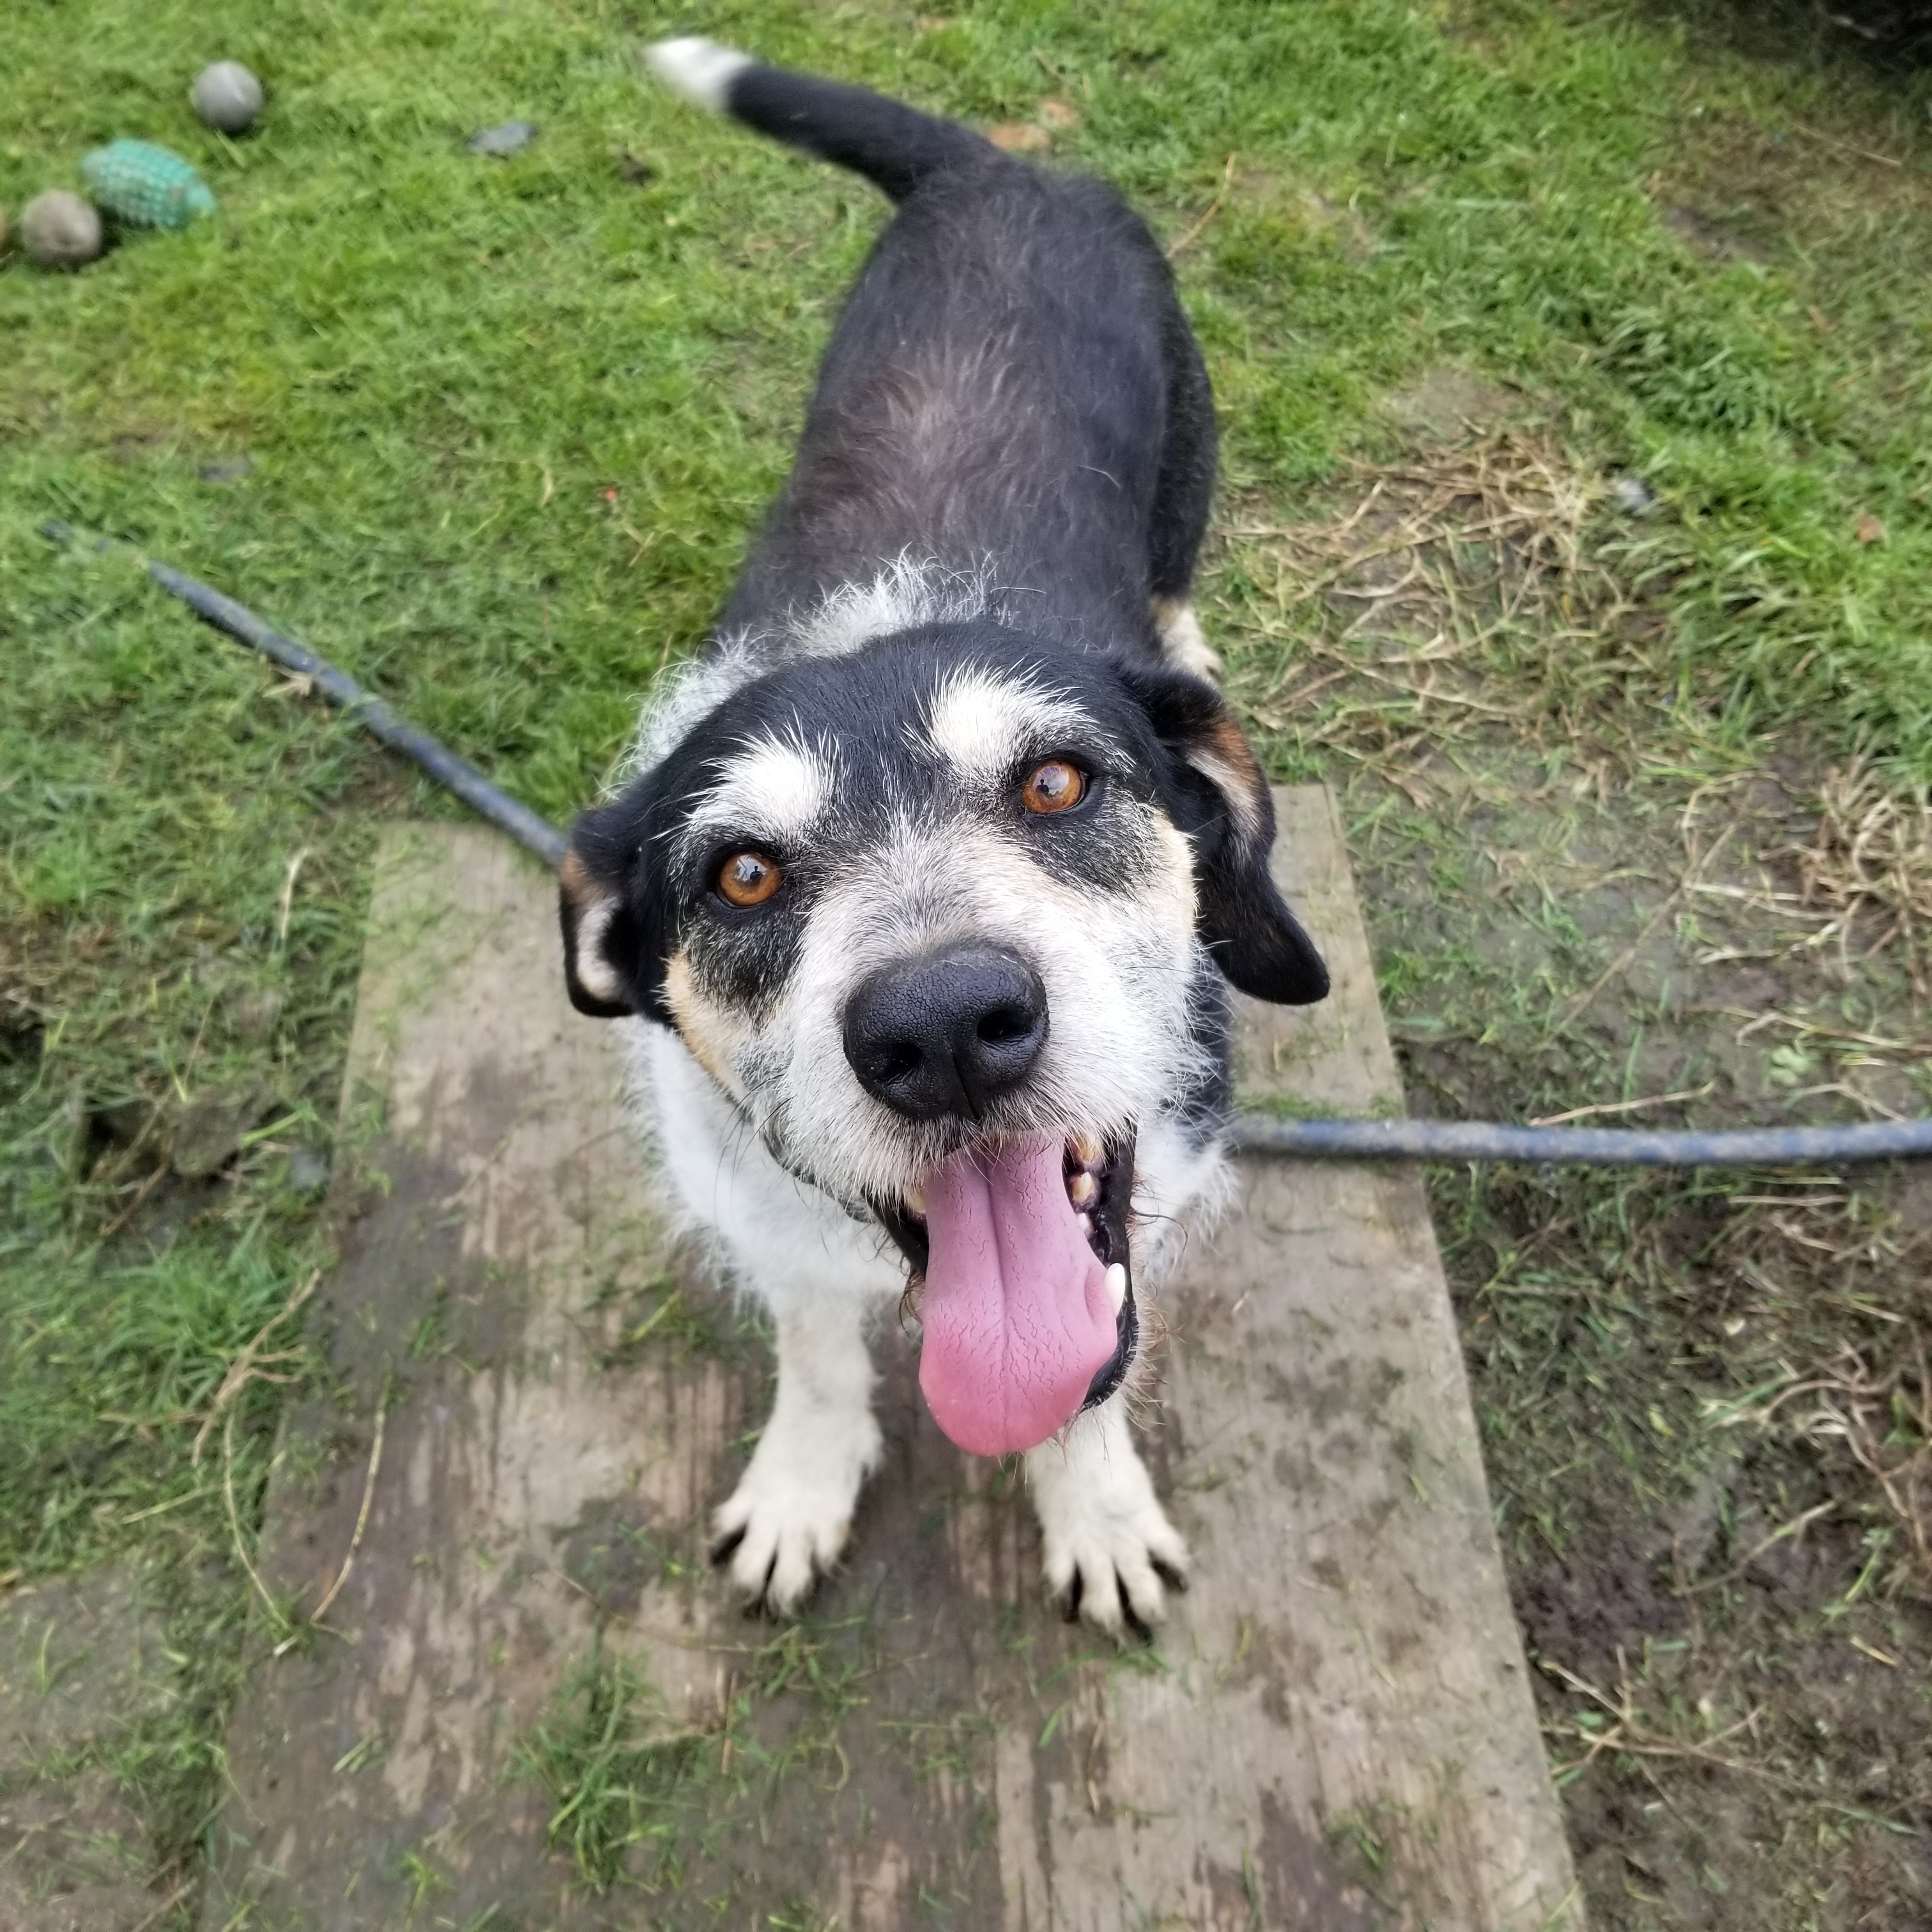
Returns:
(1870, 861)
(1462, 590)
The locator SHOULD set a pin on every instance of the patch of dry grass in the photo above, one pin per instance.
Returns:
(1871, 858)
(1466, 587)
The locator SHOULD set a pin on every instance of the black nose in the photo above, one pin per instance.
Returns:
(947, 1032)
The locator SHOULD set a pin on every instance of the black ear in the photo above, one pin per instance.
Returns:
(1218, 794)
(612, 959)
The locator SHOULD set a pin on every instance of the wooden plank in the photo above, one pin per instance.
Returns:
(1347, 1670)
(1335, 1732)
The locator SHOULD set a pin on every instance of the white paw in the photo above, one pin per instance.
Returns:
(787, 1520)
(1110, 1553)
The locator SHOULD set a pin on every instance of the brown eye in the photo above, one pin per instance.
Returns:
(747, 879)
(1055, 786)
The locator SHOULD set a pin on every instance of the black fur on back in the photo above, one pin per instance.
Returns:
(1012, 383)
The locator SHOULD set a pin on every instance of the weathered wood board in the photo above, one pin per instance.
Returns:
(1336, 1732)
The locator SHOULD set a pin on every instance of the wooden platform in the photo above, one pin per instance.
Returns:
(1335, 1733)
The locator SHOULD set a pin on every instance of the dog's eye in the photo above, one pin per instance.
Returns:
(747, 879)
(1055, 786)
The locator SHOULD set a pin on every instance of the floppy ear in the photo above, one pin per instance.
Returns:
(612, 965)
(1219, 796)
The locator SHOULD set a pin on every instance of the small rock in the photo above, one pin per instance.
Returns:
(308, 1171)
(208, 1133)
(1633, 494)
(510, 138)
(60, 230)
(256, 1009)
(227, 97)
(1870, 530)
(1019, 137)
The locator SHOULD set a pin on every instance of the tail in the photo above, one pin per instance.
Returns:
(892, 145)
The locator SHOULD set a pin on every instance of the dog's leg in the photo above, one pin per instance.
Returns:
(1182, 643)
(821, 1278)
(1108, 1543)
(787, 1522)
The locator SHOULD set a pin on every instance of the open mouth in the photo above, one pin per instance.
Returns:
(1028, 1303)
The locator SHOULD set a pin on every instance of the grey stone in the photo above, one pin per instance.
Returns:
(60, 230)
(510, 138)
(1633, 494)
(308, 1171)
(227, 97)
(209, 1130)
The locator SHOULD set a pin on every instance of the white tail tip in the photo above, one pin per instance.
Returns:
(700, 70)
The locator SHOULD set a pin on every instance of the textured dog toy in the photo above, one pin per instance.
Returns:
(60, 230)
(146, 186)
(227, 97)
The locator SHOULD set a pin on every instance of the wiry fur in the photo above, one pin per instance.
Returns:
(907, 593)
(980, 561)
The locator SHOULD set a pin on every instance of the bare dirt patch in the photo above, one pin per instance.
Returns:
(82, 1664)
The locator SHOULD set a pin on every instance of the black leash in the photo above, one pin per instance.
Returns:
(536, 835)
(1251, 1132)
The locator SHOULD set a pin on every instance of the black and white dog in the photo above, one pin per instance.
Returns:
(934, 867)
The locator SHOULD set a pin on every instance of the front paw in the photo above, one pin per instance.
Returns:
(786, 1523)
(1111, 1555)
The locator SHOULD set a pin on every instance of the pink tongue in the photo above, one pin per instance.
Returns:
(1017, 1322)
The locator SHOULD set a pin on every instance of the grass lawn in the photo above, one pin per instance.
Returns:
(1578, 441)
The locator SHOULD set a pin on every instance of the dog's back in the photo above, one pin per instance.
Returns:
(1011, 392)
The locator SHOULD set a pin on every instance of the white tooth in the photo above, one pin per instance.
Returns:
(1117, 1286)
(915, 1200)
(1086, 1149)
(1083, 1190)
(1084, 1222)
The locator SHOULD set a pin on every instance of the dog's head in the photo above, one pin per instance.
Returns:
(942, 916)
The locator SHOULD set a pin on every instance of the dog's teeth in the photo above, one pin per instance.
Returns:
(915, 1199)
(1117, 1285)
(1084, 1222)
(1086, 1149)
(1083, 1190)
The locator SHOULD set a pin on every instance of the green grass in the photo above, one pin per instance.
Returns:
(506, 425)
(638, 1797)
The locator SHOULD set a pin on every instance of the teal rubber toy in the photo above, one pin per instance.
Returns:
(146, 186)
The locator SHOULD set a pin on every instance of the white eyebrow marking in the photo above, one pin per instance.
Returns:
(983, 723)
(774, 786)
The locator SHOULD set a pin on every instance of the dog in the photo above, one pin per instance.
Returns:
(932, 873)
